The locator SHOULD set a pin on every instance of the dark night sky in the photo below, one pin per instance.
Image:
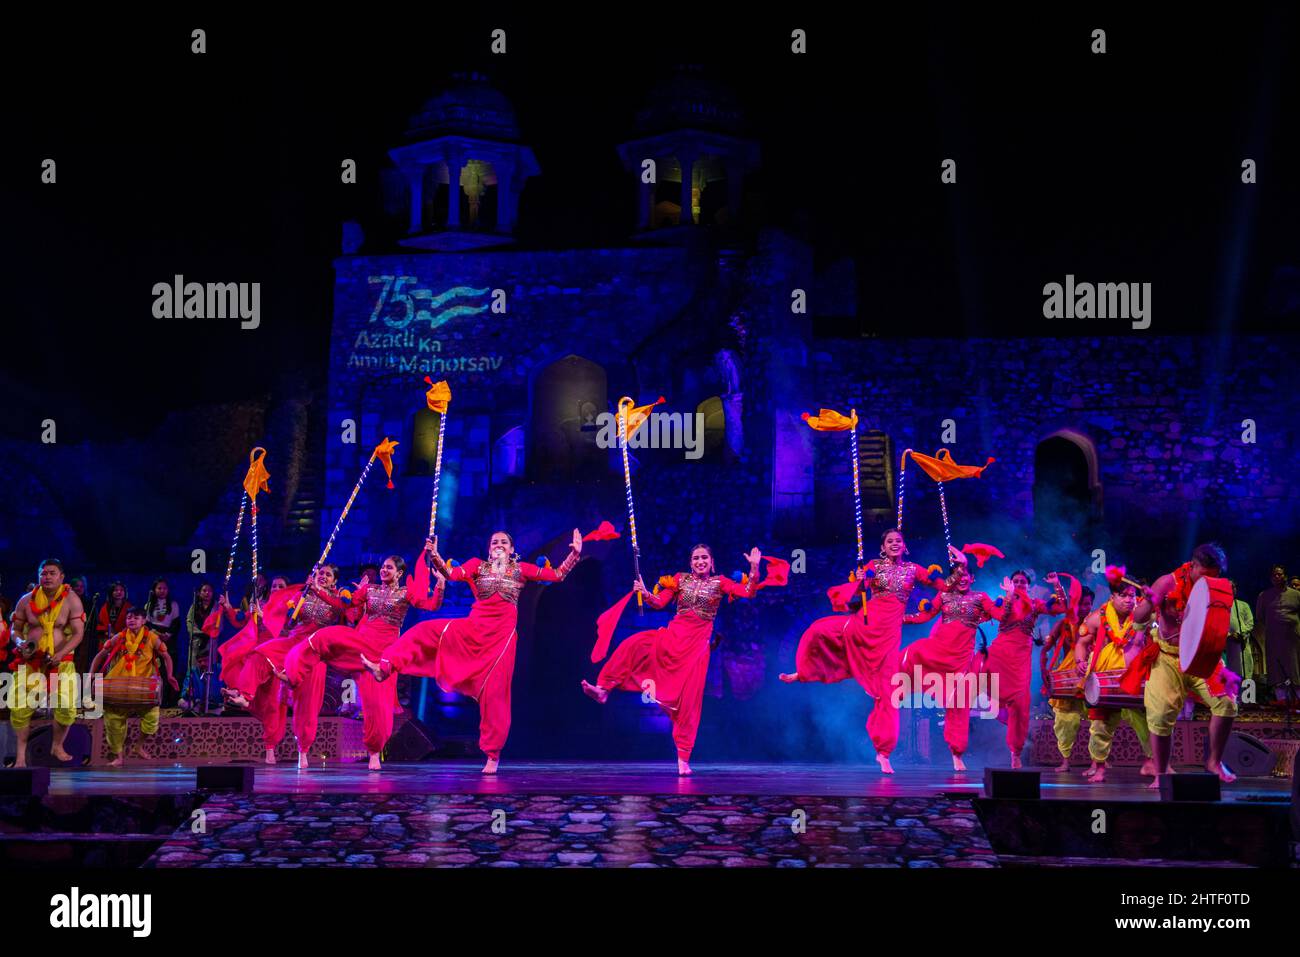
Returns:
(225, 168)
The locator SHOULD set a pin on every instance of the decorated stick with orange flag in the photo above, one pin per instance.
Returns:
(384, 453)
(828, 420)
(941, 468)
(630, 417)
(256, 480)
(438, 397)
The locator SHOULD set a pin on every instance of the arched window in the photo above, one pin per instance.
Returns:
(715, 428)
(1067, 490)
(876, 473)
(569, 396)
(423, 448)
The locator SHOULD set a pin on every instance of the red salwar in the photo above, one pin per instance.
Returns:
(839, 647)
(268, 699)
(475, 655)
(1011, 658)
(342, 647)
(670, 664)
(948, 651)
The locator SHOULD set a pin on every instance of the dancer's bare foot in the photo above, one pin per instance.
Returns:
(116, 762)
(1100, 776)
(1064, 766)
(1221, 769)
(374, 761)
(20, 762)
(595, 692)
(1091, 770)
(1155, 784)
(303, 762)
(683, 769)
(1148, 768)
(885, 766)
(139, 752)
(59, 754)
(380, 669)
(790, 678)
(957, 763)
(491, 766)
(1015, 760)
(270, 756)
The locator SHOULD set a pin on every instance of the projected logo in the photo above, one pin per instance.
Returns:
(399, 335)
(400, 304)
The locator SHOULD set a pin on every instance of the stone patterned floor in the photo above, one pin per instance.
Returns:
(535, 830)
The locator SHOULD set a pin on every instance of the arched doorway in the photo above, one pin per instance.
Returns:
(1067, 491)
(568, 397)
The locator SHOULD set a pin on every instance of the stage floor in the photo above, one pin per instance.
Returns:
(618, 779)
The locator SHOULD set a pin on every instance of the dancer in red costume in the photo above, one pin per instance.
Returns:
(839, 647)
(385, 604)
(948, 652)
(669, 665)
(474, 655)
(255, 687)
(1010, 658)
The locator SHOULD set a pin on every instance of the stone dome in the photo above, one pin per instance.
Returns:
(469, 107)
(690, 98)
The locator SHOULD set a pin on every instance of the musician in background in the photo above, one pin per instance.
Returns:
(134, 652)
(1277, 629)
(1108, 640)
(1058, 655)
(1167, 687)
(1239, 653)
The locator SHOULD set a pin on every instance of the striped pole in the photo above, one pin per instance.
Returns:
(437, 473)
(329, 542)
(624, 404)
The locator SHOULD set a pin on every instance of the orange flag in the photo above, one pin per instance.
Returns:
(828, 420)
(637, 415)
(602, 533)
(438, 395)
(384, 452)
(982, 552)
(257, 476)
(942, 468)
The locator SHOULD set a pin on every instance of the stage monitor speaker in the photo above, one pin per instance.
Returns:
(77, 743)
(222, 777)
(1189, 786)
(1248, 756)
(1022, 785)
(410, 742)
(25, 782)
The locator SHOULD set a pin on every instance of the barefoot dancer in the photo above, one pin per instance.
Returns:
(1057, 657)
(385, 604)
(48, 624)
(256, 689)
(1167, 686)
(474, 655)
(670, 664)
(132, 653)
(1010, 655)
(948, 652)
(839, 647)
(1109, 641)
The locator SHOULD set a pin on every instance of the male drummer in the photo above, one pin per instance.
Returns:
(1067, 712)
(1167, 686)
(48, 623)
(1120, 640)
(134, 652)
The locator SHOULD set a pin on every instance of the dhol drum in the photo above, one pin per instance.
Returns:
(127, 694)
(1101, 690)
(1204, 631)
(1065, 683)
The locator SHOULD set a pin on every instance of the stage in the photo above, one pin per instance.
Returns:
(448, 814)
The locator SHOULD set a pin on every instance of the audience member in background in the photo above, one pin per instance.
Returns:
(112, 616)
(163, 618)
(198, 650)
(1277, 628)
